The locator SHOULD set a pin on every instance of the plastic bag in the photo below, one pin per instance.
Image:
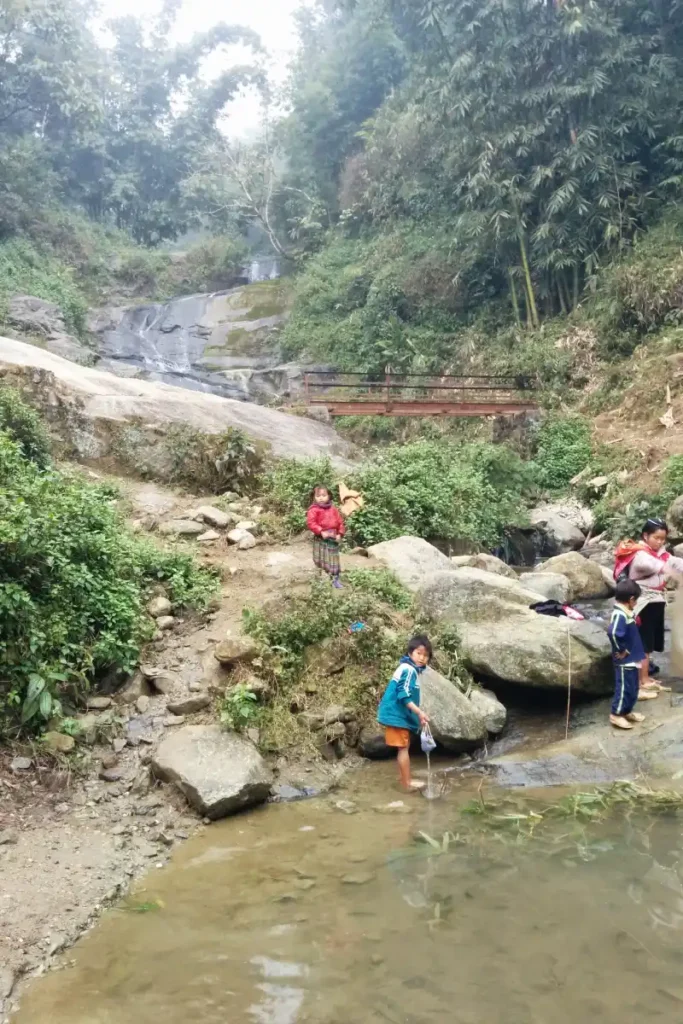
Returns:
(427, 741)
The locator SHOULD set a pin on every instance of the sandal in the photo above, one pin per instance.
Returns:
(635, 716)
(648, 694)
(620, 722)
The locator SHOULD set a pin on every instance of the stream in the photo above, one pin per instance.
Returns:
(303, 913)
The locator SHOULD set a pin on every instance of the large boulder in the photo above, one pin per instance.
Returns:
(411, 559)
(484, 561)
(471, 595)
(585, 577)
(504, 640)
(458, 722)
(219, 772)
(674, 519)
(551, 586)
(556, 534)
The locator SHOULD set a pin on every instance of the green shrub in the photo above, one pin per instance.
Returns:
(23, 425)
(213, 462)
(440, 490)
(213, 264)
(239, 709)
(380, 584)
(671, 485)
(288, 488)
(26, 270)
(564, 449)
(73, 583)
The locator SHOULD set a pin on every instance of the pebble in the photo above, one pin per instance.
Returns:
(305, 883)
(142, 704)
(99, 703)
(172, 720)
(359, 878)
(110, 775)
(346, 806)
(189, 705)
(165, 622)
(286, 897)
(21, 764)
(109, 761)
(208, 537)
(8, 838)
(118, 745)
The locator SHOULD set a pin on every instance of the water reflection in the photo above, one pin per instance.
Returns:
(354, 922)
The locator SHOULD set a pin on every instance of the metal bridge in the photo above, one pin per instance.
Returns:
(419, 394)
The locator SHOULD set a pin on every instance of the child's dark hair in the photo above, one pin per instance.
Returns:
(321, 487)
(420, 641)
(653, 525)
(626, 590)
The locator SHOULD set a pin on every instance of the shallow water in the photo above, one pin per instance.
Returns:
(302, 913)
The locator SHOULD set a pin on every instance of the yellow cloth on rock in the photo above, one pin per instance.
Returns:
(350, 501)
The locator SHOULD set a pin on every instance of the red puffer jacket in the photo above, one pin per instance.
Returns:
(322, 518)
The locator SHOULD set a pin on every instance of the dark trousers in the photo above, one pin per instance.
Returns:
(625, 690)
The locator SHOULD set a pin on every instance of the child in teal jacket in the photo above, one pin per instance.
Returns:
(399, 710)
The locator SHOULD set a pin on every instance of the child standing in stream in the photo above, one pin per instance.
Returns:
(627, 656)
(399, 710)
(325, 522)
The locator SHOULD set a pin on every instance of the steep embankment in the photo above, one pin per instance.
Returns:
(97, 413)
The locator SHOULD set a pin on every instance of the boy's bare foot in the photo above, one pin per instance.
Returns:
(635, 716)
(417, 784)
(648, 694)
(620, 722)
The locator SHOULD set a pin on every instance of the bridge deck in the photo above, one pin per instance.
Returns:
(352, 394)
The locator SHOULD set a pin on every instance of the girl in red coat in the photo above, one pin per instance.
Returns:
(325, 522)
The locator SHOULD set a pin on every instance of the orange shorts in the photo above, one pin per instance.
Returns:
(396, 737)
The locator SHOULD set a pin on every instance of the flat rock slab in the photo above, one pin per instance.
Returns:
(411, 559)
(218, 772)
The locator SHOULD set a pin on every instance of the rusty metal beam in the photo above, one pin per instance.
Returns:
(424, 408)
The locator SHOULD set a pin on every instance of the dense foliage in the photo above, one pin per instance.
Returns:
(513, 150)
(73, 583)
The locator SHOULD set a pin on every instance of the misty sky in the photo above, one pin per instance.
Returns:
(272, 19)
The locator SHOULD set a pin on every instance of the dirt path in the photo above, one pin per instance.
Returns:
(71, 843)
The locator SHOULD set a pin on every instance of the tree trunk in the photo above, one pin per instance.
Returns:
(531, 298)
(515, 300)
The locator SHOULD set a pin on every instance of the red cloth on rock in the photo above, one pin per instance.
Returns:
(322, 518)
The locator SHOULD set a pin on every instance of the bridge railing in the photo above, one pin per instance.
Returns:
(325, 387)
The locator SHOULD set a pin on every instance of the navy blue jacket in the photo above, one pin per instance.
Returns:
(624, 636)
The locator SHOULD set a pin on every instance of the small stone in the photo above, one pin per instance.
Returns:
(346, 806)
(190, 705)
(110, 775)
(232, 652)
(109, 761)
(247, 543)
(181, 528)
(98, 703)
(286, 897)
(336, 731)
(310, 720)
(337, 713)
(118, 745)
(142, 704)
(164, 839)
(166, 622)
(358, 878)
(305, 883)
(395, 807)
(208, 537)
(376, 960)
(8, 838)
(21, 764)
(146, 849)
(163, 682)
(59, 742)
(247, 525)
(137, 686)
(171, 720)
(159, 606)
(213, 516)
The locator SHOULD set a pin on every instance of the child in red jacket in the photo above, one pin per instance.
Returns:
(325, 522)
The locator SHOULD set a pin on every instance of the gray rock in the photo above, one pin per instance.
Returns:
(98, 703)
(248, 525)
(118, 745)
(190, 705)
(552, 586)
(337, 713)
(346, 806)
(240, 651)
(371, 743)
(137, 686)
(311, 720)
(159, 606)
(218, 771)
(214, 516)
(585, 577)
(170, 721)
(410, 559)
(459, 723)
(358, 878)
(142, 704)
(483, 561)
(557, 533)
(246, 542)
(59, 742)
(335, 731)
(209, 537)
(503, 639)
(181, 528)
(163, 682)
(165, 622)
(674, 518)
(21, 764)
(110, 775)
(8, 838)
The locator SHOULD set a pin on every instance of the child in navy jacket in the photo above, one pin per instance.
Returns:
(627, 655)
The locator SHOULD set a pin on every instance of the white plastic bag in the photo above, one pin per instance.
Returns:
(427, 741)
